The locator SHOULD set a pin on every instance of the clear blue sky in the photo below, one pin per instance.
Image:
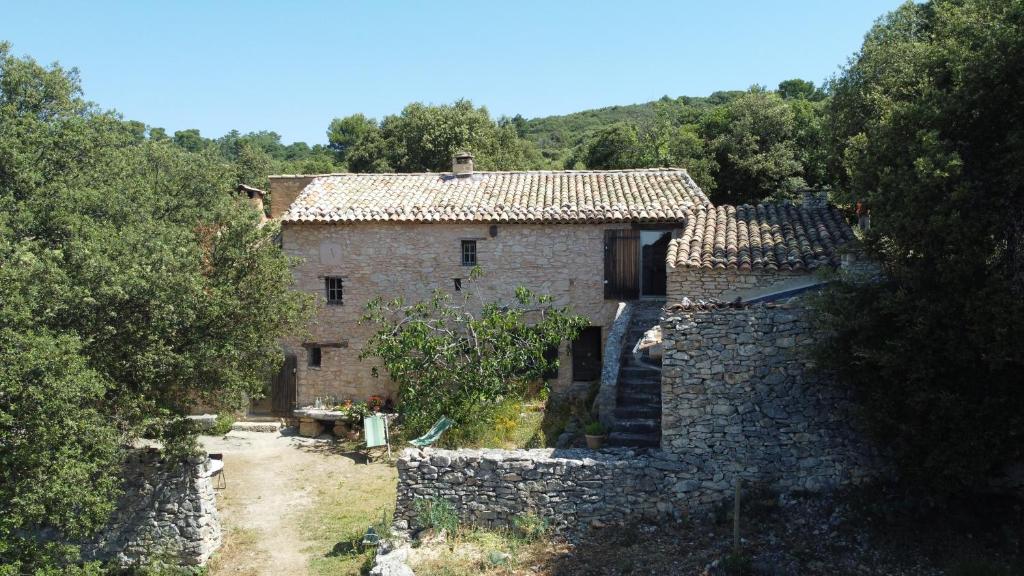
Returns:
(292, 66)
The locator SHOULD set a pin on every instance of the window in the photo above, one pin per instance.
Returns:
(332, 284)
(458, 284)
(469, 252)
(316, 356)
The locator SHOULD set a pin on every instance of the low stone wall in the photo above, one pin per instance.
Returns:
(572, 489)
(167, 511)
(740, 395)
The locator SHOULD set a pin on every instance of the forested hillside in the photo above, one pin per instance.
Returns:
(741, 146)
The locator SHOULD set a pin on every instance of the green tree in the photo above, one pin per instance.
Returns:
(350, 132)
(797, 89)
(251, 165)
(928, 133)
(449, 360)
(134, 285)
(190, 140)
(688, 150)
(614, 148)
(753, 139)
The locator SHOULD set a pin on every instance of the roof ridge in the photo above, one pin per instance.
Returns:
(368, 174)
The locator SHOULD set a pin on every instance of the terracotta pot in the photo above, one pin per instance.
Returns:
(595, 442)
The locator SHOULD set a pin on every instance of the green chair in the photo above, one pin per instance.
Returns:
(376, 433)
(434, 433)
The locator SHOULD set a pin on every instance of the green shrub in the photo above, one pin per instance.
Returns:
(436, 513)
(594, 428)
(222, 425)
(530, 527)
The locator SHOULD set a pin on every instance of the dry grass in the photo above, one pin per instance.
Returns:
(345, 507)
(482, 552)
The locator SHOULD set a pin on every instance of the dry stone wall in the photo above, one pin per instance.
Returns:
(572, 489)
(740, 395)
(740, 401)
(168, 511)
(701, 283)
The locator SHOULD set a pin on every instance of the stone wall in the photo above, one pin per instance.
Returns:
(740, 401)
(740, 395)
(701, 283)
(412, 260)
(572, 489)
(167, 511)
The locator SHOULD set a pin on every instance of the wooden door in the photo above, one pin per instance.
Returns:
(621, 264)
(282, 388)
(586, 355)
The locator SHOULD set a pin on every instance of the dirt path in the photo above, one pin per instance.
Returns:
(292, 504)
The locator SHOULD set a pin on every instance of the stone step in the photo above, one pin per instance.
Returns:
(640, 372)
(638, 426)
(636, 392)
(628, 439)
(638, 411)
(637, 398)
(256, 426)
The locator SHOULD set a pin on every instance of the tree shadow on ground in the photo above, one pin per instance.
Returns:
(345, 449)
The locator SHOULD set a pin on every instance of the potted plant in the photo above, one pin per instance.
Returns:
(595, 433)
(375, 403)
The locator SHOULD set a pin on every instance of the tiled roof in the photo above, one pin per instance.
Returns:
(769, 236)
(649, 195)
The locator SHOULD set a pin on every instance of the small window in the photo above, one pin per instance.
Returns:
(316, 356)
(458, 284)
(469, 252)
(332, 285)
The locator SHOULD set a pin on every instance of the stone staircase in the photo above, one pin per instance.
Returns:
(638, 394)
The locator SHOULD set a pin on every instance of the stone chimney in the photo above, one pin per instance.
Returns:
(255, 196)
(462, 164)
(284, 190)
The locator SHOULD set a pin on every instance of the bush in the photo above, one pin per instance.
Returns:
(530, 527)
(222, 425)
(436, 513)
(594, 428)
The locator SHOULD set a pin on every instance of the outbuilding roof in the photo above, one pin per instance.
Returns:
(768, 236)
(645, 195)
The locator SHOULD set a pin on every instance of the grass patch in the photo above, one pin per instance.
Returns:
(516, 424)
(343, 510)
(476, 551)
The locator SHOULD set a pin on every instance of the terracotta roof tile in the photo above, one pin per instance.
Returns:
(769, 236)
(648, 195)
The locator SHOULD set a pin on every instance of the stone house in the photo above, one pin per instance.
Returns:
(591, 239)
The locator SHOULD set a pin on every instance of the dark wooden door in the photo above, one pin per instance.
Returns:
(282, 388)
(621, 264)
(586, 355)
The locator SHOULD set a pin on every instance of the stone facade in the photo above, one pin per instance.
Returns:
(702, 283)
(412, 260)
(167, 511)
(740, 395)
